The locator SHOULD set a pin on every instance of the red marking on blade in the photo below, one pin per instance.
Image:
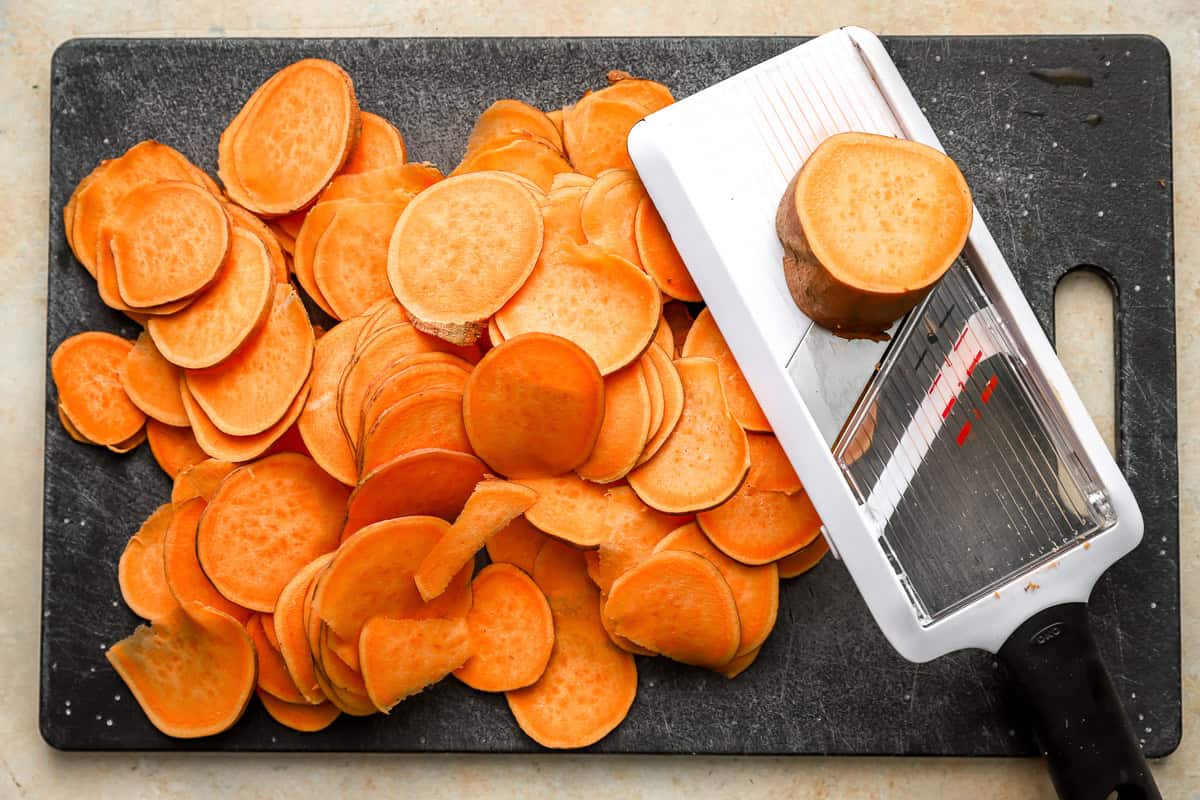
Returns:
(946, 410)
(961, 336)
(978, 415)
(964, 433)
(989, 389)
(933, 386)
(974, 362)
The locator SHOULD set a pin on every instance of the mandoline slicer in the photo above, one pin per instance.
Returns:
(957, 472)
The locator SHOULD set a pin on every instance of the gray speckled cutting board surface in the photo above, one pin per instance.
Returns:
(827, 681)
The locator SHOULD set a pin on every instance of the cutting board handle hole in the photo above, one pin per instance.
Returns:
(1085, 336)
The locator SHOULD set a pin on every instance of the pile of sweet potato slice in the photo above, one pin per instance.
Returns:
(516, 363)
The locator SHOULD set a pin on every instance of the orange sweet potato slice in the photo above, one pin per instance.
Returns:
(486, 219)
(555, 115)
(290, 629)
(658, 255)
(109, 290)
(608, 212)
(349, 261)
(705, 339)
(657, 399)
(70, 428)
(140, 572)
(200, 480)
(99, 193)
(674, 481)
(86, 369)
(319, 423)
(571, 180)
(273, 677)
(252, 389)
(619, 640)
(680, 318)
(569, 508)
(400, 657)
(300, 716)
(678, 604)
(192, 671)
(421, 372)
(511, 631)
(429, 419)
(757, 527)
(595, 131)
(770, 469)
(290, 138)
(648, 95)
(241, 218)
(664, 337)
(533, 158)
(553, 711)
(625, 429)
(340, 673)
(379, 145)
(740, 664)
(494, 336)
(550, 396)
(431, 482)
(169, 240)
(186, 579)
(409, 179)
(175, 449)
(268, 626)
(316, 222)
(804, 559)
(265, 522)
(218, 444)
(632, 529)
(226, 315)
(672, 399)
(755, 589)
(372, 575)
(623, 304)
(561, 216)
(489, 509)
(504, 119)
(518, 544)
(152, 383)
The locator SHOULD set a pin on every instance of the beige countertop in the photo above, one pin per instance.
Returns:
(29, 32)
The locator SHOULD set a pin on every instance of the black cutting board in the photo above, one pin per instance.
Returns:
(1042, 172)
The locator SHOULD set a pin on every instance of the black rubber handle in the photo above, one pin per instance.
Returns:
(1089, 744)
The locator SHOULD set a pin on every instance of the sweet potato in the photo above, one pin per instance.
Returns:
(664, 337)
(658, 255)
(175, 449)
(494, 336)
(300, 716)
(218, 444)
(152, 383)
(674, 481)
(678, 604)
(140, 572)
(550, 397)
(518, 544)
(252, 389)
(648, 95)
(680, 318)
(486, 219)
(400, 657)
(569, 508)
(432, 482)
(511, 631)
(705, 339)
(632, 529)
(265, 522)
(420, 372)
(200, 480)
(561, 217)
(290, 629)
(192, 671)
(349, 261)
(226, 315)
(657, 399)
(319, 422)
(595, 131)
(555, 115)
(608, 212)
(740, 664)
(340, 673)
(504, 119)
(620, 641)
(86, 369)
(70, 428)
(757, 527)
(770, 470)
(241, 218)
(672, 399)
(109, 289)
(755, 589)
(316, 221)
(290, 138)
(489, 509)
(372, 575)
(268, 626)
(804, 559)
(868, 226)
(98, 193)
(379, 145)
(273, 677)
(376, 184)
(625, 429)
(530, 157)
(571, 180)
(624, 304)
(169, 240)
(429, 419)
(130, 444)
(554, 711)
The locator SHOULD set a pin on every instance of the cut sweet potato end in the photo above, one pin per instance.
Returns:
(678, 604)
(300, 716)
(804, 559)
(431, 482)
(86, 369)
(152, 383)
(140, 572)
(757, 527)
(192, 671)
(511, 631)
(705, 339)
(401, 657)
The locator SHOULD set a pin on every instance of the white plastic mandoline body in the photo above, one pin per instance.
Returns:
(716, 164)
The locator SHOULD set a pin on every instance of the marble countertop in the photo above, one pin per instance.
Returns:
(29, 32)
